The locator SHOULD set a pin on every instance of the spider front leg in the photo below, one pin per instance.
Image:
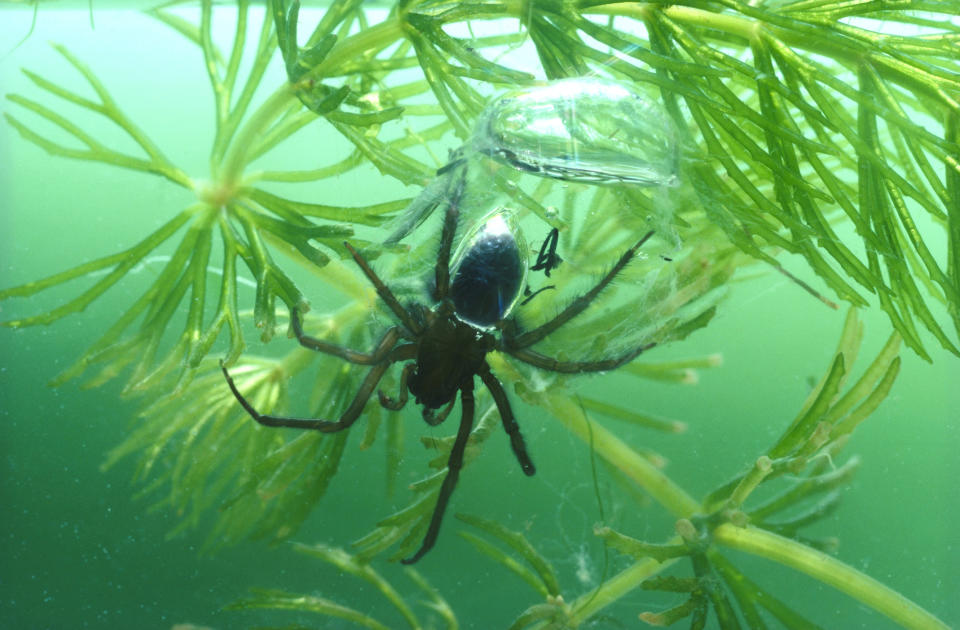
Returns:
(384, 292)
(454, 464)
(576, 307)
(576, 367)
(450, 218)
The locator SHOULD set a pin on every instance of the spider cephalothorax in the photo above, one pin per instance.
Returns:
(445, 347)
(448, 352)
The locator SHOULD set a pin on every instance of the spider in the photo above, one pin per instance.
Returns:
(445, 347)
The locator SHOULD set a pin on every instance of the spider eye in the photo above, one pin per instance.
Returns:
(583, 129)
(489, 270)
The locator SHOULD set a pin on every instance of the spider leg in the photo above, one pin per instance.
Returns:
(434, 420)
(454, 464)
(396, 404)
(384, 292)
(450, 218)
(577, 306)
(325, 426)
(575, 367)
(509, 420)
(386, 344)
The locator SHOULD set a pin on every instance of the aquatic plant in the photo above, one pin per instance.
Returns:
(797, 119)
(796, 478)
(33, 19)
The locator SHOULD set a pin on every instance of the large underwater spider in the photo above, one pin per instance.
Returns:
(446, 345)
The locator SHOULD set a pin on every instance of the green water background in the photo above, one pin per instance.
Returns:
(81, 552)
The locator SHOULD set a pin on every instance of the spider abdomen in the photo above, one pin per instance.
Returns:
(489, 271)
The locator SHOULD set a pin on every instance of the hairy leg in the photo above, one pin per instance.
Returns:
(379, 353)
(325, 426)
(575, 367)
(576, 307)
(454, 464)
(509, 421)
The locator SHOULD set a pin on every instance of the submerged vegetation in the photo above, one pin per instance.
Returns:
(799, 465)
(805, 129)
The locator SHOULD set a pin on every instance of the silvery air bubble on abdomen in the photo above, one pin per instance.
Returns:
(583, 129)
(489, 270)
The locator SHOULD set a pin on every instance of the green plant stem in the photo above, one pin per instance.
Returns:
(788, 552)
(366, 42)
(614, 450)
(613, 589)
(630, 462)
(262, 119)
(341, 275)
(828, 570)
(805, 36)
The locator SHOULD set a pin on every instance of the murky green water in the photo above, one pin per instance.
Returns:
(82, 551)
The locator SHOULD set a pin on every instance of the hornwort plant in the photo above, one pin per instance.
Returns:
(794, 120)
